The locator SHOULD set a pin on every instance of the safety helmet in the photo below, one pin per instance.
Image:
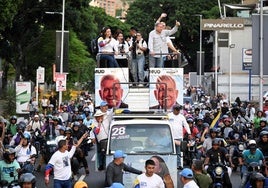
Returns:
(76, 123)
(21, 126)
(86, 109)
(263, 133)
(27, 178)
(190, 120)
(252, 142)
(27, 136)
(55, 118)
(80, 118)
(13, 118)
(213, 130)
(216, 141)
(7, 152)
(263, 120)
(68, 130)
(205, 125)
(256, 176)
(200, 118)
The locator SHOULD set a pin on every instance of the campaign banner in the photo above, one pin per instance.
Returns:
(166, 88)
(23, 97)
(110, 87)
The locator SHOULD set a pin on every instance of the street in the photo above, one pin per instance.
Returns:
(96, 179)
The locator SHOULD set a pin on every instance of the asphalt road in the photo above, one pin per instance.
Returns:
(96, 178)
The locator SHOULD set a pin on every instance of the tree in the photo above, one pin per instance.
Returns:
(143, 14)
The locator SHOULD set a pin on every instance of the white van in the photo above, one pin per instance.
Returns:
(142, 136)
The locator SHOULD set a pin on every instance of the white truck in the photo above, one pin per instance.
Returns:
(141, 136)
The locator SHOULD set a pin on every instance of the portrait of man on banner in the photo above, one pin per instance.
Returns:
(168, 88)
(108, 87)
(61, 85)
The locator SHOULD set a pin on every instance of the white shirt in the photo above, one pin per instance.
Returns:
(124, 47)
(178, 122)
(62, 164)
(23, 153)
(108, 47)
(157, 42)
(191, 184)
(153, 181)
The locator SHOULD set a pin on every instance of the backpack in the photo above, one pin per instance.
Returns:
(94, 47)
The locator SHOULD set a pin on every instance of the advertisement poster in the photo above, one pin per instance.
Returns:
(23, 96)
(61, 82)
(110, 87)
(167, 89)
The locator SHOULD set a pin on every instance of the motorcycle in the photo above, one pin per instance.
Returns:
(37, 140)
(13, 184)
(219, 175)
(48, 149)
(28, 166)
(239, 148)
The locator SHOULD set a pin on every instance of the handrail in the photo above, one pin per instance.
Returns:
(109, 53)
(165, 94)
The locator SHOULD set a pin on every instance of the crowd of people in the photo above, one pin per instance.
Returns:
(217, 132)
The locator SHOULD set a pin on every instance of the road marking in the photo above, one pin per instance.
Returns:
(82, 177)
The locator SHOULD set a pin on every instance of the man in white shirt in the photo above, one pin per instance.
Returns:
(61, 164)
(187, 178)
(178, 122)
(149, 179)
(157, 44)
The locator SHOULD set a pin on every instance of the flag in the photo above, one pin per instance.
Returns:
(136, 183)
(215, 121)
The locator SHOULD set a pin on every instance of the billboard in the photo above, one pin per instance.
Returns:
(23, 97)
(173, 77)
(108, 86)
(256, 44)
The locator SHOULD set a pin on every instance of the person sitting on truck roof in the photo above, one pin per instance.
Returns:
(110, 92)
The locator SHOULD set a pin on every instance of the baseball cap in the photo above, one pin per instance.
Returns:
(99, 113)
(103, 103)
(80, 184)
(119, 154)
(117, 185)
(187, 173)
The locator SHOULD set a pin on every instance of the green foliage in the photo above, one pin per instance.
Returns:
(9, 101)
(143, 14)
(8, 9)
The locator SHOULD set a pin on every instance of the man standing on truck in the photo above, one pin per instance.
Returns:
(178, 122)
(99, 135)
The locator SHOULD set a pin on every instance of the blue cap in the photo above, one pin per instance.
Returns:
(103, 103)
(119, 154)
(187, 173)
(117, 185)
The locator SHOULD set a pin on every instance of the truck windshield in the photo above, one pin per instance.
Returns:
(141, 139)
